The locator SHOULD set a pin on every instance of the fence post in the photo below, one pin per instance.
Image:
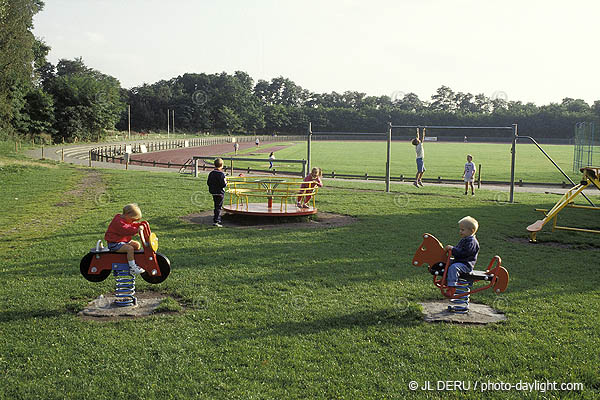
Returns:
(389, 159)
(512, 164)
(308, 140)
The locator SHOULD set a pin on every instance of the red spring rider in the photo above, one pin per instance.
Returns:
(98, 264)
(432, 253)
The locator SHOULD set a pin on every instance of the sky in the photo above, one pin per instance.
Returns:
(526, 50)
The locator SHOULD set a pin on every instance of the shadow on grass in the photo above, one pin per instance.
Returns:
(409, 317)
(8, 316)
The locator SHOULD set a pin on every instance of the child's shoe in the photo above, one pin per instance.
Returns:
(135, 269)
(416, 184)
(449, 291)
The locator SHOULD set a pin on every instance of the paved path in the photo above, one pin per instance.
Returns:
(78, 154)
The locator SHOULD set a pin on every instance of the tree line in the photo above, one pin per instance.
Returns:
(70, 101)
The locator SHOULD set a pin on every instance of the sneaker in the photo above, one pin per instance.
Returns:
(466, 193)
(416, 184)
(472, 193)
(135, 269)
(218, 225)
(420, 183)
(299, 205)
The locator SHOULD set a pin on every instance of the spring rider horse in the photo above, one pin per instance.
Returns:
(432, 253)
(97, 265)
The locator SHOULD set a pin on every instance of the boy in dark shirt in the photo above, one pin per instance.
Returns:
(216, 186)
(465, 252)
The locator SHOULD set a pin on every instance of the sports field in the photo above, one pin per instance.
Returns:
(441, 159)
(287, 313)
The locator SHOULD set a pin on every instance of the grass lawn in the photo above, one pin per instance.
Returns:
(285, 313)
(441, 159)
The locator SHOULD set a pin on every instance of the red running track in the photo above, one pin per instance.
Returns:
(181, 155)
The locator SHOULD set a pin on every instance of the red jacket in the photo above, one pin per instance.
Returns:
(121, 231)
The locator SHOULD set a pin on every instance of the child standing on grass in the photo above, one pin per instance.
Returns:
(469, 175)
(120, 230)
(314, 178)
(418, 143)
(464, 253)
(217, 181)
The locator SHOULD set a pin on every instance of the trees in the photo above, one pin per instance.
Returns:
(443, 100)
(86, 101)
(16, 57)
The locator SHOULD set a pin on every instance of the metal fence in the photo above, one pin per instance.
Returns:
(587, 145)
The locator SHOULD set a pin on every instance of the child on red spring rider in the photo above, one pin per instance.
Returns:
(120, 230)
(464, 253)
(309, 181)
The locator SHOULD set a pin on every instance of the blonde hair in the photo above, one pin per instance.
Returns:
(132, 210)
(218, 162)
(469, 222)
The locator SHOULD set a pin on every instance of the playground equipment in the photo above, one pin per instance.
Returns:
(591, 175)
(432, 253)
(97, 265)
(587, 145)
(387, 136)
(242, 189)
(432, 129)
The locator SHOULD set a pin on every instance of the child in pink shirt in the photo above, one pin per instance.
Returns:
(309, 182)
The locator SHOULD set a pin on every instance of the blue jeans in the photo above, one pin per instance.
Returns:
(454, 270)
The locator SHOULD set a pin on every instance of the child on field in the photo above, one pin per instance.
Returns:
(119, 232)
(469, 174)
(271, 158)
(418, 143)
(464, 253)
(314, 178)
(217, 181)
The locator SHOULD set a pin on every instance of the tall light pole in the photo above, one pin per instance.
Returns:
(129, 121)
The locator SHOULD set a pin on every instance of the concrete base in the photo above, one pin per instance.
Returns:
(437, 311)
(104, 307)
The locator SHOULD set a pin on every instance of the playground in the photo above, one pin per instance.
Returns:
(296, 311)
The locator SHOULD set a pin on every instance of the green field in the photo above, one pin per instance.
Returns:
(286, 313)
(441, 159)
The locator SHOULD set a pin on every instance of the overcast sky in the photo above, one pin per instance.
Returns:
(539, 51)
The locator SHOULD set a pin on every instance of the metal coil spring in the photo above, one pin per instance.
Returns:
(461, 304)
(125, 286)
